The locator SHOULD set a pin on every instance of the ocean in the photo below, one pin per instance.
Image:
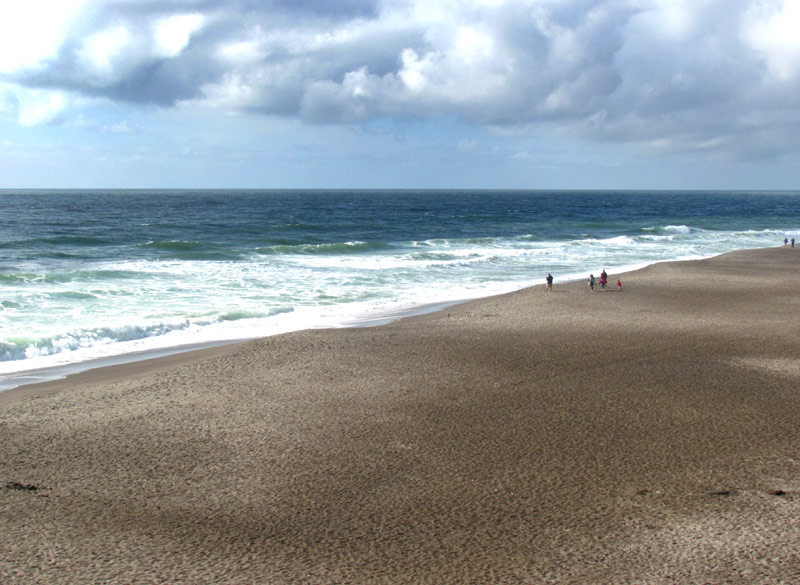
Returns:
(104, 275)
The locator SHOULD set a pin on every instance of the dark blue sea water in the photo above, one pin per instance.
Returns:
(88, 274)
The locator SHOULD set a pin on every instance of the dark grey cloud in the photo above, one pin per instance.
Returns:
(669, 75)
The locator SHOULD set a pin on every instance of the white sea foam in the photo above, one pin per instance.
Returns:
(681, 229)
(133, 306)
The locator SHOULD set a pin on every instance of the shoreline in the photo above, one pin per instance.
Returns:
(14, 383)
(647, 436)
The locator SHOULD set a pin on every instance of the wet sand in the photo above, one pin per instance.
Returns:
(644, 436)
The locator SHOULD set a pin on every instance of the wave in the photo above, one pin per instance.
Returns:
(191, 250)
(26, 278)
(74, 295)
(673, 229)
(302, 227)
(436, 256)
(680, 229)
(20, 278)
(238, 315)
(463, 242)
(619, 241)
(330, 249)
(173, 245)
(21, 348)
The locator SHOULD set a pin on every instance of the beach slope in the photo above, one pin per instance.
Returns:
(644, 436)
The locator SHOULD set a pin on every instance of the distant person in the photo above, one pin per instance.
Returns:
(785, 241)
(619, 285)
(603, 280)
(591, 282)
(604, 275)
(549, 286)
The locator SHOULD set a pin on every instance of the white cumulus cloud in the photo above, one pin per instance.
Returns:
(42, 107)
(773, 29)
(173, 33)
(671, 75)
(32, 31)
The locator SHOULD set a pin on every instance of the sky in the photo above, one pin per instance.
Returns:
(506, 94)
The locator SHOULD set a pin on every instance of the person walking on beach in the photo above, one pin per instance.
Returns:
(591, 282)
(549, 286)
(792, 242)
(619, 285)
(603, 281)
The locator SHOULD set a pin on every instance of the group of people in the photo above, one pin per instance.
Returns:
(786, 241)
(603, 282)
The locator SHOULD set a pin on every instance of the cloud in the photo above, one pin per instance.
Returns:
(173, 33)
(26, 38)
(33, 107)
(665, 75)
(773, 32)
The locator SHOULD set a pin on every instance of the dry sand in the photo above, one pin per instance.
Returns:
(649, 436)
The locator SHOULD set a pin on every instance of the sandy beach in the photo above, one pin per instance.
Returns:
(649, 436)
